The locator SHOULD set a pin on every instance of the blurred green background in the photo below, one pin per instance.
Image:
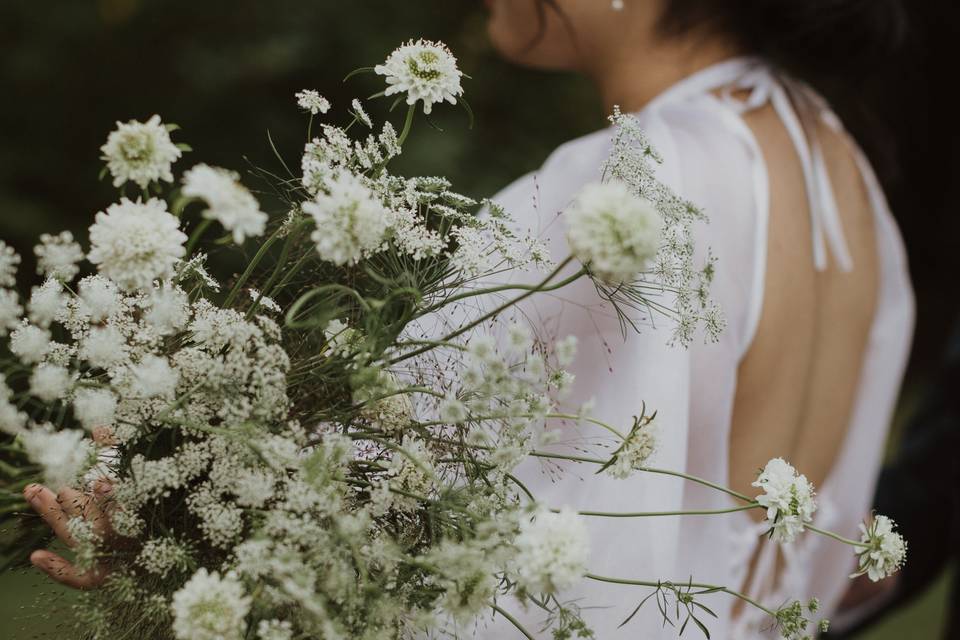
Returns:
(226, 71)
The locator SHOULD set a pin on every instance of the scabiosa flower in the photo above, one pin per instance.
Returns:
(351, 221)
(140, 152)
(10, 311)
(788, 498)
(886, 549)
(99, 296)
(155, 378)
(229, 202)
(209, 607)
(310, 100)
(553, 550)
(636, 450)
(57, 256)
(95, 408)
(47, 302)
(9, 261)
(50, 382)
(30, 343)
(612, 231)
(423, 70)
(62, 454)
(135, 243)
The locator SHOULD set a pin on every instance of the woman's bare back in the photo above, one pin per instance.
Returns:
(798, 383)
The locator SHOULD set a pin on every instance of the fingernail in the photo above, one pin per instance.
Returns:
(30, 492)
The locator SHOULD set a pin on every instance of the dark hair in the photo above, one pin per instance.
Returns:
(811, 39)
(839, 47)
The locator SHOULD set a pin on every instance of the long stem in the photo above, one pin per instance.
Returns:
(261, 252)
(830, 534)
(684, 583)
(195, 236)
(513, 621)
(407, 125)
(529, 291)
(654, 514)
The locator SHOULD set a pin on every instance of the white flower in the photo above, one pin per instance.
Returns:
(360, 113)
(140, 152)
(423, 70)
(9, 261)
(266, 302)
(50, 382)
(57, 256)
(886, 549)
(135, 243)
(788, 498)
(168, 310)
(100, 297)
(636, 450)
(30, 343)
(95, 408)
(274, 630)
(62, 454)
(453, 411)
(229, 202)
(351, 222)
(519, 339)
(209, 607)
(160, 556)
(155, 378)
(12, 420)
(104, 347)
(553, 549)
(613, 232)
(10, 311)
(310, 100)
(47, 302)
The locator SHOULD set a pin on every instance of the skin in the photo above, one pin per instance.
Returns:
(56, 508)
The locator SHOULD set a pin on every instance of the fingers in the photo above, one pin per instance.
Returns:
(65, 573)
(103, 436)
(45, 503)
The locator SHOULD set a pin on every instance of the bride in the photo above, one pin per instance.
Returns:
(811, 275)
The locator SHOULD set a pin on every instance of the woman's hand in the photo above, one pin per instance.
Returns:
(57, 509)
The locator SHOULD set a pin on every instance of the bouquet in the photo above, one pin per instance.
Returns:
(302, 449)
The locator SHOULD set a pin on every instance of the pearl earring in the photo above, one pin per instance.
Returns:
(617, 5)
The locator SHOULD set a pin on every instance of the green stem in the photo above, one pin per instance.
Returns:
(261, 252)
(830, 534)
(529, 291)
(654, 514)
(694, 585)
(706, 483)
(513, 621)
(195, 236)
(407, 125)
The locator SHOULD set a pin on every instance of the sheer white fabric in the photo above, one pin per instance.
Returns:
(712, 158)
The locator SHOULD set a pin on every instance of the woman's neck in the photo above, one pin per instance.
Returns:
(631, 76)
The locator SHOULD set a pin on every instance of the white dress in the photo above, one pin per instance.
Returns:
(711, 158)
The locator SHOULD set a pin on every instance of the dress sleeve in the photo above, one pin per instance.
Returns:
(623, 374)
